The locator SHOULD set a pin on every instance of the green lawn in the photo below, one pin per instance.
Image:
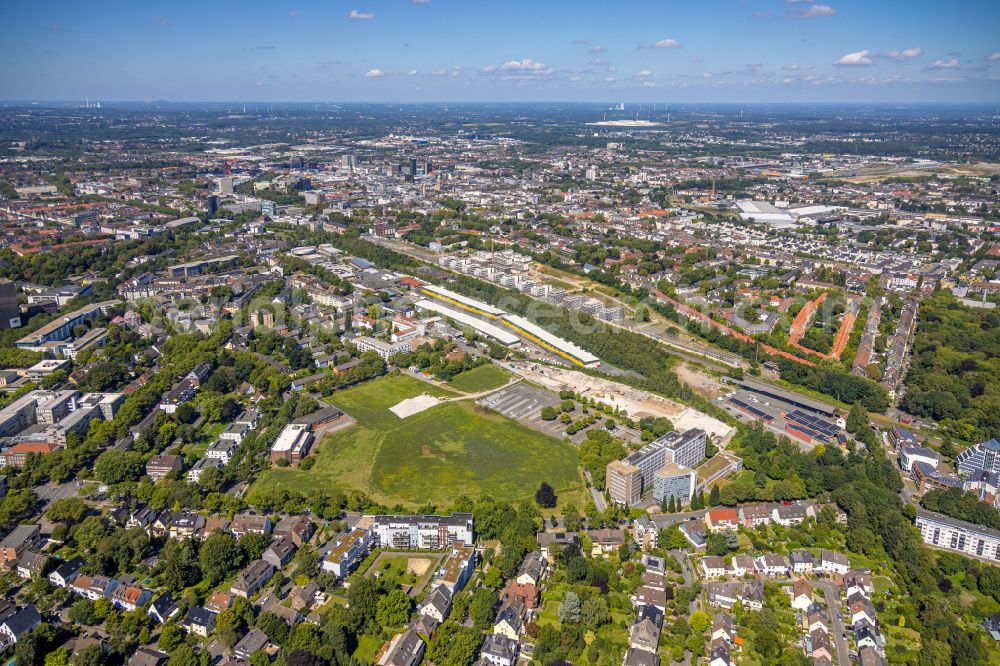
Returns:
(367, 648)
(482, 378)
(433, 456)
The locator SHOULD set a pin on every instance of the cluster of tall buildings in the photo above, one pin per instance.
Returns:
(664, 466)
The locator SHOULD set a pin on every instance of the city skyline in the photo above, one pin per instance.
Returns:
(437, 50)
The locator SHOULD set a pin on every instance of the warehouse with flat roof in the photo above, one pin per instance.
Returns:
(461, 301)
(491, 331)
(553, 343)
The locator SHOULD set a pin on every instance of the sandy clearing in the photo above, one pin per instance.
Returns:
(412, 406)
(418, 565)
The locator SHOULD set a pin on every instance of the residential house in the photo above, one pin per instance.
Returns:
(31, 564)
(405, 649)
(554, 540)
(858, 582)
(532, 569)
(772, 564)
(752, 515)
(509, 621)
(634, 657)
(867, 635)
(185, 525)
(788, 515)
(299, 528)
(868, 656)
(721, 520)
(821, 647)
(644, 634)
(304, 596)
(720, 656)
(862, 611)
(16, 625)
(499, 650)
(254, 640)
(752, 595)
(159, 466)
(832, 562)
(163, 608)
(67, 572)
(713, 566)
(437, 605)
(801, 595)
(130, 597)
(743, 565)
(246, 523)
(802, 561)
(723, 595)
(199, 621)
(722, 629)
(252, 578)
(605, 541)
(20, 540)
(147, 656)
(816, 620)
(279, 553)
(219, 601)
(93, 587)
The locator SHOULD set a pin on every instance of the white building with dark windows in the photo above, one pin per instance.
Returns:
(431, 532)
(952, 534)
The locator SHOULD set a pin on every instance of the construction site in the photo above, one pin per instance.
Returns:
(634, 402)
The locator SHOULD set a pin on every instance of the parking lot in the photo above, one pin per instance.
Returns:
(524, 403)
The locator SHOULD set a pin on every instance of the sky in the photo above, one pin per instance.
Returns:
(750, 51)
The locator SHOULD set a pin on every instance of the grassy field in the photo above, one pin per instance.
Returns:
(483, 378)
(368, 647)
(433, 456)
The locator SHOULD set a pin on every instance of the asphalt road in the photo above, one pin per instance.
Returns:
(832, 593)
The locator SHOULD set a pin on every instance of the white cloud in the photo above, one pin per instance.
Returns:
(668, 43)
(597, 49)
(599, 62)
(293, 14)
(413, 72)
(525, 65)
(375, 74)
(489, 69)
(945, 64)
(644, 73)
(355, 15)
(905, 54)
(421, 2)
(994, 56)
(856, 59)
(812, 11)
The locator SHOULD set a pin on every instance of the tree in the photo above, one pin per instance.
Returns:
(362, 598)
(220, 555)
(594, 613)
(481, 607)
(82, 612)
(700, 622)
(549, 413)
(170, 637)
(857, 418)
(393, 609)
(569, 609)
(713, 497)
(114, 466)
(671, 506)
(545, 496)
(571, 518)
(493, 578)
(254, 544)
